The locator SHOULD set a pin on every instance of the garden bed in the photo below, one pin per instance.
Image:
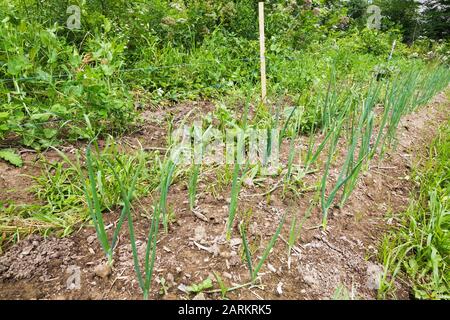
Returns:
(336, 263)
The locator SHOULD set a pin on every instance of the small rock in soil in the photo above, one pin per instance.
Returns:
(271, 268)
(91, 238)
(183, 288)
(103, 270)
(170, 279)
(279, 288)
(26, 251)
(199, 233)
(235, 242)
(309, 280)
(235, 260)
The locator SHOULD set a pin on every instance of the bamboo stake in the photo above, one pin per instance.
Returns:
(392, 50)
(262, 52)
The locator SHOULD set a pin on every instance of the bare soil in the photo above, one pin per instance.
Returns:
(195, 246)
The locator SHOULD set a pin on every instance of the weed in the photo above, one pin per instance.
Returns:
(418, 248)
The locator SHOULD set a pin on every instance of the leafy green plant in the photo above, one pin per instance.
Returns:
(11, 156)
(164, 286)
(202, 286)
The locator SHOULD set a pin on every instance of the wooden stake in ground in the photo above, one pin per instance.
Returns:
(262, 55)
(392, 50)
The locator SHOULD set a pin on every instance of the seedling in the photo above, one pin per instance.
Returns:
(254, 270)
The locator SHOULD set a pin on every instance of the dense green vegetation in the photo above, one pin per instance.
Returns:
(53, 78)
(420, 247)
(328, 75)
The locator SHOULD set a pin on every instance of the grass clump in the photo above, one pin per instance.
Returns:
(419, 248)
(60, 202)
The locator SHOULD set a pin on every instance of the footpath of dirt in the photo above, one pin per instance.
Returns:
(195, 247)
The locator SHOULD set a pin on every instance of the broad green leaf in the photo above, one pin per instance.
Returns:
(58, 109)
(17, 64)
(50, 133)
(40, 116)
(12, 157)
(4, 115)
(204, 285)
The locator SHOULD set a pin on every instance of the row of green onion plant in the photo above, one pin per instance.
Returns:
(296, 228)
(145, 279)
(288, 175)
(361, 135)
(234, 198)
(335, 117)
(433, 80)
(94, 203)
(236, 183)
(168, 168)
(408, 92)
(399, 99)
(351, 167)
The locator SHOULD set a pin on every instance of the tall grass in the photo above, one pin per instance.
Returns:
(418, 249)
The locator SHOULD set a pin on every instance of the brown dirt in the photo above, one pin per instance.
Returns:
(39, 268)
